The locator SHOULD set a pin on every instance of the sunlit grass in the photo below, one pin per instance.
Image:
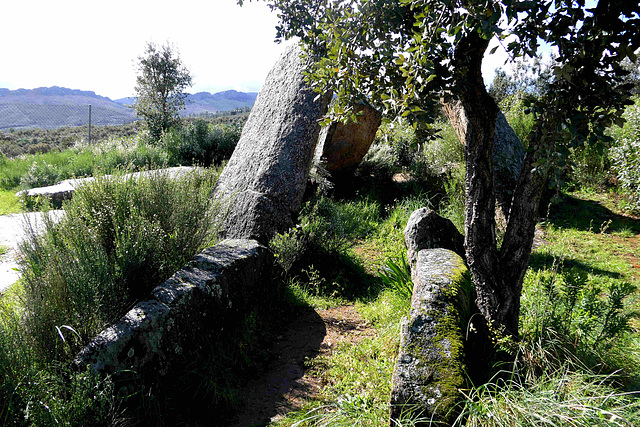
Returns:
(9, 203)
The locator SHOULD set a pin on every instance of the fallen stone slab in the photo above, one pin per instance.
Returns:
(264, 182)
(214, 291)
(430, 368)
(64, 190)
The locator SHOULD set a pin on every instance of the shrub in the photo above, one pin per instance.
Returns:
(513, 107)
(577, 316)
(133, 153)
(40, 174)
(119, 239)
(625, 154)
(453, 206)
(444, 152)
(316, 250)
(201, 143)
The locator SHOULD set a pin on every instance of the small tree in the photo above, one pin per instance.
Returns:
(408, 56)
(161, 80)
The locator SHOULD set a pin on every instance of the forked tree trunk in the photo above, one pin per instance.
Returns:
(497, 274)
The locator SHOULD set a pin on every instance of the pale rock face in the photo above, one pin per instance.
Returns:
(263, 184)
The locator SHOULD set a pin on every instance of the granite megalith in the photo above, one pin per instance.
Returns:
(342, 146)
(430, 368)
(428, 230)
(264, 182)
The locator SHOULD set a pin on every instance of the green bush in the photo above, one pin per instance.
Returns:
(201, 143)
(577, 316)
(625, 154)
(40, 175)
(133, 153)
(316, 250)
(513, 107)
(453, 207)
(119, 239)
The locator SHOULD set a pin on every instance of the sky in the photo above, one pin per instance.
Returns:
(94, 45)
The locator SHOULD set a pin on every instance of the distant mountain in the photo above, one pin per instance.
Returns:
(205, 102)
(50, 107)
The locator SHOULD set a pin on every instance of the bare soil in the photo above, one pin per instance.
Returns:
(287, 381)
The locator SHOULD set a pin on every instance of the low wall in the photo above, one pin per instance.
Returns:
(215, 290)
(430, 367)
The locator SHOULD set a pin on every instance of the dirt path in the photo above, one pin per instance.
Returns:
(285, 383)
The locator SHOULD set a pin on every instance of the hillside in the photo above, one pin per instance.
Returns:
(205, 102)
(52, 107)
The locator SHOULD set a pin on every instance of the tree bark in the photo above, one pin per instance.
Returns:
(497, 274)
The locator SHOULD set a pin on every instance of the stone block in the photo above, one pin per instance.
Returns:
(430, 367)
(342, 146)
(428, 230)
(264, 182)
(217, 288)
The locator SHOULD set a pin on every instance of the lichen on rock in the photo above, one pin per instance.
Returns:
(430, 368)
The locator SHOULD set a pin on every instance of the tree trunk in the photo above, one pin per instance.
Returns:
(497, 275)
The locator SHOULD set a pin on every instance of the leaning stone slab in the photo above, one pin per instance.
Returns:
(64, 190)
(428, 230)
(216, 289)
(263, 184)
(430, 366)
(342, 146)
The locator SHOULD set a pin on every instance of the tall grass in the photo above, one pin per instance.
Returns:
(198, 143)
(119, 238)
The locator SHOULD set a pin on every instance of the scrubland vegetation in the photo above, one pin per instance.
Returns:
(576, 363)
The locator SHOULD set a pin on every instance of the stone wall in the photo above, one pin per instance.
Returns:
(214, 291)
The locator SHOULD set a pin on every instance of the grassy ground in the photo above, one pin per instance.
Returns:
(9, 203)
(576, 365)
(584, 235)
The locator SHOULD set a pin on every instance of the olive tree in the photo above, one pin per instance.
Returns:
(160, 85)
(408, 56)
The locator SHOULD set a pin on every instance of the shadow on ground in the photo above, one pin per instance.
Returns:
(585, 215)
(264, 397)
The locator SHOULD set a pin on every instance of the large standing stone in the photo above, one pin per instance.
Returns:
(343, 145)
(430, 366)
(265, 179)
(428, 230)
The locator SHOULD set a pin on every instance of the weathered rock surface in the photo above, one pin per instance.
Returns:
(342, 146)
(265, 179)
(430, 365)
(216, 289)
(428, 230)
(64, 190)
(508, 152)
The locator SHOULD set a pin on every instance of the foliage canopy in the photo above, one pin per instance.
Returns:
(159, 88)
(406, 57)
